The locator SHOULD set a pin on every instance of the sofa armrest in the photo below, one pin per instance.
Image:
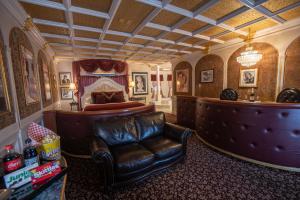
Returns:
(178, 133)
(102, 156)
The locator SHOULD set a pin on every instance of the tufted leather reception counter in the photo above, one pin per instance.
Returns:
(265, 133)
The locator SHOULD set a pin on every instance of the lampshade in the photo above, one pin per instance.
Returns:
(131, 84)
(72, 86)
(249, 57)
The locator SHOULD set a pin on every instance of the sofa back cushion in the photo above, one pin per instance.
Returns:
(116, 131)
(150, 125)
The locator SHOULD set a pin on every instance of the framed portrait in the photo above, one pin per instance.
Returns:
(182, 80)
(29, 77)
(4, 98)
(65, 78)
(207, 76)
(66, 93)
(248, 78)
(140, 80)
(46, 81)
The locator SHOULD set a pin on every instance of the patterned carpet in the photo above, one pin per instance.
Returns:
(206, 174)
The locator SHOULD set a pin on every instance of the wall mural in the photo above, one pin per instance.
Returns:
(45, 79)
(292, 65)
(209, 76)
(264, 78)
(182, 82)
(6, 105)
(25, 73)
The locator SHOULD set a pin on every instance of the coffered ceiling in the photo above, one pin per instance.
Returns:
(150, 30)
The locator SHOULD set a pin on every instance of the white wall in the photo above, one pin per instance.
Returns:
(280, 39)
(12, 15)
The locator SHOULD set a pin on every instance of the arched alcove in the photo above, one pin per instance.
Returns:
(183, 68)
(292, 65)
(23, 62)
(206, 65)
(267, 69)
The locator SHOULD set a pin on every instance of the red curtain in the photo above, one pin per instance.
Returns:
(92, 65)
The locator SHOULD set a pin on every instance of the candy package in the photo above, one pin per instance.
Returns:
(47, 142)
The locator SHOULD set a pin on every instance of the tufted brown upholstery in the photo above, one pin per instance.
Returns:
(267, 132)
(229, 94)
(76, 128)
(186, 106)
(112, 106)
(289, 95)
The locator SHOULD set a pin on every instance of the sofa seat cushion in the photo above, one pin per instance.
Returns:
(131, 157)
(162, 147)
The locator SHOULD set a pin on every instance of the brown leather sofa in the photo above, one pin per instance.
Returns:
(129, 149)
(76, 128)
(112, 106)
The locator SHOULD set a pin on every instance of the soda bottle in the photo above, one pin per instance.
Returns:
(12, 161)
(30, 153)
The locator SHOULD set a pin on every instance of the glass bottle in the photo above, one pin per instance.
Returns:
(12, 161)
(30, 153)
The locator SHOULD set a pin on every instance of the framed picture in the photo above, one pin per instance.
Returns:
(248, 78)
(4, 98)
(46, 81)
(29, 77)
(66, 93)
(207, 76)
(140, 80)
(182, 80)
(65, 78)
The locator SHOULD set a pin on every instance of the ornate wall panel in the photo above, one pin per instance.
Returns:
(53, 81)
(185, 67)
(267, 69)
(6, 117)
(45, 79)
(209, 89)
(24, 73)
(292, 65)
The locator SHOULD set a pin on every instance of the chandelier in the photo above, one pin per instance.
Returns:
(249, 57)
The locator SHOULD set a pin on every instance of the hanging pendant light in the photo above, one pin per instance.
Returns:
(249, 57)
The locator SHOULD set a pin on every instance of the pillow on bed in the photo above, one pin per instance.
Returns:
(117, 97)
(100, 99)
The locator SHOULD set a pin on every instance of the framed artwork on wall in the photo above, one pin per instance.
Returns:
(140, 80)
(29, 76)
(65, 78)
(182, 80)
(248, 78)
(207, 76)
(46, 81)
(4, 98)
(66, 93)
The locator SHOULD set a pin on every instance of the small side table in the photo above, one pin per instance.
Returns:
(74, 106)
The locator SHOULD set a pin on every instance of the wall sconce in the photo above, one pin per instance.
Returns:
(131, 84)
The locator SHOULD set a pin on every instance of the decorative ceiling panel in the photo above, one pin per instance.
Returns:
(129, 15)
(243, 18)
(267, 23)
(87, 20)
(173, 36)
(291, 14)
(85, 43)
(41, 12)
(222, 8)
(192, 25)
(115, 38)
(213, 31)
(274, 5)
(150, 32)
(58, 40)
(86, 34)
(193, 40)
(99, 5)
(138, 41)
(190, 4)
(167, 18)
(109, 46)
(53, 30)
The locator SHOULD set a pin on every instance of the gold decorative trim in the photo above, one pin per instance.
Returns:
(265, 164)
(76, 156)
(28, 24)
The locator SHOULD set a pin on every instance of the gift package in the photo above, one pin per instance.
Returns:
(39, 161)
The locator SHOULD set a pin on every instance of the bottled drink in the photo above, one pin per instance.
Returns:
(12, 161)
(30, 153)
